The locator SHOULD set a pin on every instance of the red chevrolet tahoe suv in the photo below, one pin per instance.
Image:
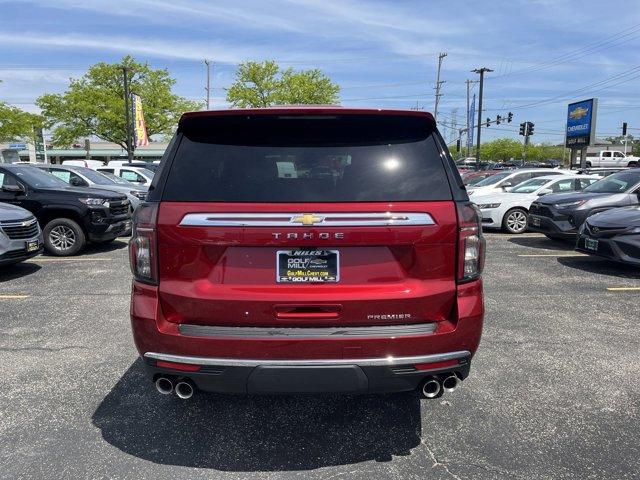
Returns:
(307, 250)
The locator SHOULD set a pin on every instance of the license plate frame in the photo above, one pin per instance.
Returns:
(307, 266)
(32, 246)
(591, 244)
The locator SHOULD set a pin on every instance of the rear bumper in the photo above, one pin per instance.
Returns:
(340, 363)
(380, 375)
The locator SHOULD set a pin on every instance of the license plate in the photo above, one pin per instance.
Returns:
(535, 221)
(33, 246)
(307, 266)
(591, 244)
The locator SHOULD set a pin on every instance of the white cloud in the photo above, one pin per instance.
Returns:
(134, 45)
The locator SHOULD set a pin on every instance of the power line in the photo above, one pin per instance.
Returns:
(580, 52)
(582, 89)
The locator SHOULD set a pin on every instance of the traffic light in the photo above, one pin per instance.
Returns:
(509, 117)
(498, 118)
(458, 145)
(522, 128)
(531, 125)
(624, 129)
(488, 121)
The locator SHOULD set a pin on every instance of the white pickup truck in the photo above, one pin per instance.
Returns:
(610, 158)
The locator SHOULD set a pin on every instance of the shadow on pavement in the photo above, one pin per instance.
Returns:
(543, 243)
(255, 433)
(93, 248)
(600, 266)
(18, 270)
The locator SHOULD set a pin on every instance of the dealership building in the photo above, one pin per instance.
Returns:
(103, 151)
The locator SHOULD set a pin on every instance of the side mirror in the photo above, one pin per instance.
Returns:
(507, 185)
(13, 189)
(544, 191)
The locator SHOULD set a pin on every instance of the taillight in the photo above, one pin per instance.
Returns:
(143, 254)
(471, 243)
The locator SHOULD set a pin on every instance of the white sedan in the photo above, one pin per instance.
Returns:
(509, 210)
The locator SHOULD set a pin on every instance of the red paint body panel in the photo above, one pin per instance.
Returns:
(152, 333)
(226, 276)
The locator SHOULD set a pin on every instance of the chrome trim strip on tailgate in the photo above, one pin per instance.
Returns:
(364, 362)
(306, 220)
(290, 333)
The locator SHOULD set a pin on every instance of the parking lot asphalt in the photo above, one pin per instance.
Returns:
(553, 393)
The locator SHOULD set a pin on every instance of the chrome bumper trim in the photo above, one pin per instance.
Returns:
(388, 361)
(363, 219)
(307, 332)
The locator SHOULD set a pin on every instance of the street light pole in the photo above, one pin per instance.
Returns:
(207, 62)
(481, 71)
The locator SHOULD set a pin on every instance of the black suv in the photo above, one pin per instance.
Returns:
(69, 217)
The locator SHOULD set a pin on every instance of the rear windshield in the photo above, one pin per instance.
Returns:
(343, 158)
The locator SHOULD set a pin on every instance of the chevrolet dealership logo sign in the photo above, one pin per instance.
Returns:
(578, 113)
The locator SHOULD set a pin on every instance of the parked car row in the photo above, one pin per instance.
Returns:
(139, 173)
(61, 208)
(599, 210)
(508, 210)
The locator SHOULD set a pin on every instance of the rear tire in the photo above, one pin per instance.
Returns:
(63, 237)
(515, 221)
(588, 164)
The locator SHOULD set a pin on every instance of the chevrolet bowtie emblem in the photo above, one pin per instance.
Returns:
(307, 219)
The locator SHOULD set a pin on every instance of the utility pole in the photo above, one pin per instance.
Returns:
(207, 89)
(480, 71)
(127, 112)
(439, 83)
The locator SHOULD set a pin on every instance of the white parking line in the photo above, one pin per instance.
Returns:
(623, 289)
(69, 259)
(13, 297)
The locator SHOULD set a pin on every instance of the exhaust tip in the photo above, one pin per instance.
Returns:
(450, 383)
(164, 385)
(184, 390)
(430, 388)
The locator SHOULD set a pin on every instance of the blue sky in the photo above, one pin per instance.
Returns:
(544, 53)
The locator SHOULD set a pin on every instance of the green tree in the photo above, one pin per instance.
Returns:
(262, 84)
(94, 103)
(16, 124)
(501, 149)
